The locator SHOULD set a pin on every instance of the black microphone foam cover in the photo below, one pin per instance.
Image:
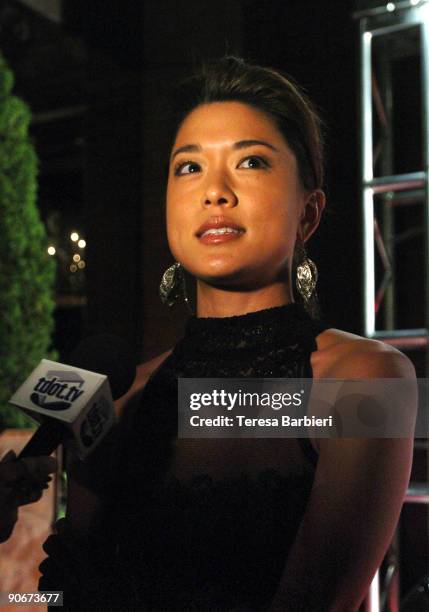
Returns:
(109, 355)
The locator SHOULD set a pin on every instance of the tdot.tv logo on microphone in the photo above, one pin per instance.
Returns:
(58, 390)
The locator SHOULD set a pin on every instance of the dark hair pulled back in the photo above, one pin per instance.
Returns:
(230, 78)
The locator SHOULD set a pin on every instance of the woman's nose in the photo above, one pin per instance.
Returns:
(218, 192)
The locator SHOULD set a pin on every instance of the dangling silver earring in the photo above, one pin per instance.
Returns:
(306, 276)
(172, 285)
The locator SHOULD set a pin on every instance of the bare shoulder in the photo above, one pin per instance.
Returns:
(341, 354)
(143, 373)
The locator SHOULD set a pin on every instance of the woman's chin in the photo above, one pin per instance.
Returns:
(232, 280)
(215, 269)
(220, 276)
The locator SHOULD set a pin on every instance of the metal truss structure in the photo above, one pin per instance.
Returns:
(394, 142)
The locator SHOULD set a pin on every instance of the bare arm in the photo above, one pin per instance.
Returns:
(353, 508)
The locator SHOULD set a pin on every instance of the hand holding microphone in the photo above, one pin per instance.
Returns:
(74, 403)
(21, 482)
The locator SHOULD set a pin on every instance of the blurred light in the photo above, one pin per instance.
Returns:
(390, 7)
(51, 250)
(81, 243)
(74, 236)
(76, 257)
(367, 36)
(81, 264)
(73, 268)
(414, 2)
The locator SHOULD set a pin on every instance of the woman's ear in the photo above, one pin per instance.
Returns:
(311, 214)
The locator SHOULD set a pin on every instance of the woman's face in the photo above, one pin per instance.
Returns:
(234, 199)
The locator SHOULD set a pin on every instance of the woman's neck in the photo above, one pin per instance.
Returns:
(223, 302)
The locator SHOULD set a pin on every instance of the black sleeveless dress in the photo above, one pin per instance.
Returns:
(205, 544)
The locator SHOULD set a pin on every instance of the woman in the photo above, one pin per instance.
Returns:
(262, 524)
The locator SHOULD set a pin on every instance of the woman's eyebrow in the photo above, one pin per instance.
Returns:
(241, 144)
(189, 148)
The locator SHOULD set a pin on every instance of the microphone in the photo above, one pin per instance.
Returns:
(74, 401)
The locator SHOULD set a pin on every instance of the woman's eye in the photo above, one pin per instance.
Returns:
(188, 167)
(253, 162)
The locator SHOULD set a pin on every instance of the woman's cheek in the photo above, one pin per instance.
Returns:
(178, 241)
(171, 235)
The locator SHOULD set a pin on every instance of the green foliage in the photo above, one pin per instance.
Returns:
(27, 273)
(6, 79)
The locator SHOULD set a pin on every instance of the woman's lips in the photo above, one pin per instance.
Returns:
(220, 235)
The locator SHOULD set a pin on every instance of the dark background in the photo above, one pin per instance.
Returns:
(98, 79)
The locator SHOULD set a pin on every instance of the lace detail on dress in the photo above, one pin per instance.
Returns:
(202, 545)
(276, 342)
(210, 544)
(266, 343)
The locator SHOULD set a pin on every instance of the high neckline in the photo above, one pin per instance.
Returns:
(287, 315)
(253, 335)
